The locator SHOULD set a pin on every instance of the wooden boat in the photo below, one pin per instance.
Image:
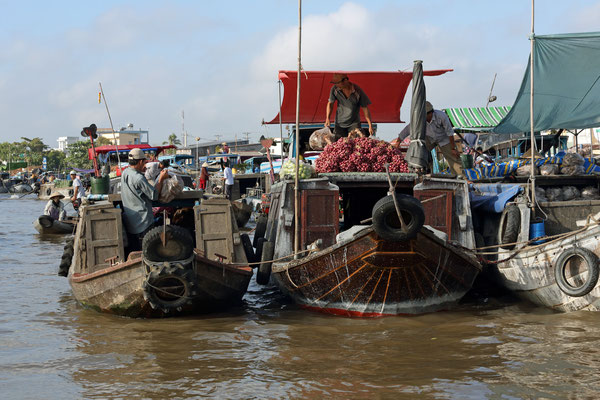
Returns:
(560, 273)
(174, 278)
(360, 273)
(45, 225)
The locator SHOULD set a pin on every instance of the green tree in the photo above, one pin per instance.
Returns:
(35, 150)
(172, 140)
(101, 141)
(77, 154)
(55, 160)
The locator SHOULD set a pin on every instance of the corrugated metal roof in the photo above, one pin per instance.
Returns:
(476, 118)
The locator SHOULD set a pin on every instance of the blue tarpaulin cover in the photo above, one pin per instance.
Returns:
(492, 197)
(566, 85)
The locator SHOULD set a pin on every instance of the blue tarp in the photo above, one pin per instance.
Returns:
(492, 197)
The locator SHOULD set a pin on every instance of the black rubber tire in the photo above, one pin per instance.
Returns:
(261, 228)
(510, 225)
(46, 221)
(179, 244)
(259, 249)
(248, 249)
(169, 288)
(592, 277)
(48, 191)
(67, 256)
(385, 219)
(263, 274)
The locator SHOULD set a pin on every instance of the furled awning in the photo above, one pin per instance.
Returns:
(386, 91)
(477, 119)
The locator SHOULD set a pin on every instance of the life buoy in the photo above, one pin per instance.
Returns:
(248, 249)
(386, 222)
(169, 287)
(179, 244)
(264, 269)
(564, 282)
(510, 224)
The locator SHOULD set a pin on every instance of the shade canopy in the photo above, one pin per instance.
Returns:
(479, 119)
(566, 85)
(125, 148)
(386, 91)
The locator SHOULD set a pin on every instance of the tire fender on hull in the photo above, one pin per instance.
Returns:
(510, 225)
(561, 269)
(386, 222)
(169, 287)
(179, 244)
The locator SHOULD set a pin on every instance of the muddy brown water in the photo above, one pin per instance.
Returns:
(487, 348)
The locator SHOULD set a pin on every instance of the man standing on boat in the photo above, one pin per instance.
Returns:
(78, 190)
(228, 178)
(350, 100)
(439, 132)
(137, 195)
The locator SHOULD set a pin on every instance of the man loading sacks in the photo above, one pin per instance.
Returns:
(137, 195)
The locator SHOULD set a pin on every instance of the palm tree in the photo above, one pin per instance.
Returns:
(173, 140)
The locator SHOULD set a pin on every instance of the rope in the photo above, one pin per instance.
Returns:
(549, 239)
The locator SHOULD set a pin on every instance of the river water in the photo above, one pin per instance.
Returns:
(490, 348)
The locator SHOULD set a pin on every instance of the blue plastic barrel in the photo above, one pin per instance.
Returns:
(537, 230)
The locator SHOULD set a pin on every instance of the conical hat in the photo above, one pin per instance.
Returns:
(56, 194)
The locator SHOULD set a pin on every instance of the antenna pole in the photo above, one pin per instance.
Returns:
(111, 127)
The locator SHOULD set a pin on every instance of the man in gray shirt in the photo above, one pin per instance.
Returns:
(438, 132)
(350, 100)
(137, 195)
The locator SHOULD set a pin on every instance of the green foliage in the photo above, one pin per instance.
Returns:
(102, 141)
(174, 141)
(78, 154)
(55, 160)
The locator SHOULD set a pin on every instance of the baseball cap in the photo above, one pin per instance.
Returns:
(136, 154)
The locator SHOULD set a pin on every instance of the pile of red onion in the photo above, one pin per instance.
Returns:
(360, 155)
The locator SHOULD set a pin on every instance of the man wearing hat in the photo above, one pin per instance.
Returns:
(78, 190)
(137, 196)
(350, 100)
(439, 132)
(55, 208)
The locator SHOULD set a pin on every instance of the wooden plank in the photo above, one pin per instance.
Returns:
(214, 230)
(438, 212)
(320, 216)
(104, 236)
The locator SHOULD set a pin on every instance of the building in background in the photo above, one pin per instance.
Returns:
(125, 135)
(64, 141)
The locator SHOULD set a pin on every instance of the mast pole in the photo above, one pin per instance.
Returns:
(280, 126)
(297, 139)
(531, 60)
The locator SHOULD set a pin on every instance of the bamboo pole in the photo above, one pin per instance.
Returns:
(296, 178)
(531, 123)
(111, 127)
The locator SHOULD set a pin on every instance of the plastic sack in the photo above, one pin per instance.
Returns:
(590, 193)
(572, 170)
(570, 193)
(549, 169)
(572, 159)
(540, 194)
(321, 138)
(305, 170)
(525, 170)
(554, 194)
(171, 187)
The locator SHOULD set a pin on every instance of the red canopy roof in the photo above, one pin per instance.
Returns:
(386, 91)
(127, 148)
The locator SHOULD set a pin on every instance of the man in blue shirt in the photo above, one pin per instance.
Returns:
(137, 195)
(350, 100)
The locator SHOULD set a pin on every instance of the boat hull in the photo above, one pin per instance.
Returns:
(371, 277)
(529, 272)
(119, 289)
(57, 228)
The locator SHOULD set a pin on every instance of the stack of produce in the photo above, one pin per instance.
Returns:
(361, 154)
(305, 170)
(572, 164)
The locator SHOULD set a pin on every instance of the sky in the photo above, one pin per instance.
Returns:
(217, 62)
